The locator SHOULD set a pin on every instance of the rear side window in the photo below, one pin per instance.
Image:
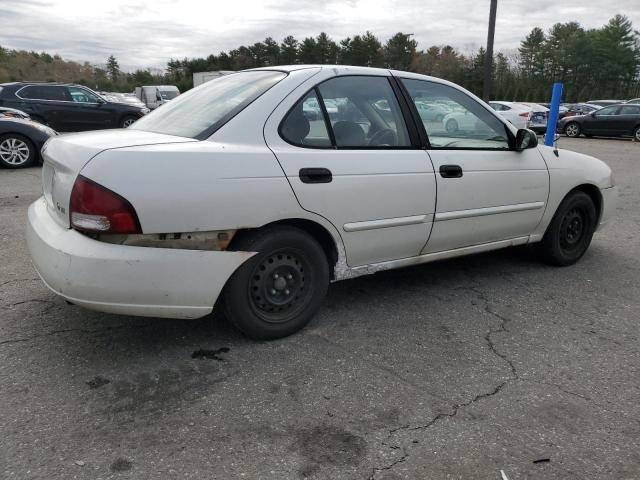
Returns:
(347, 112)
(305, 125)
(630, 110)
(44, 92)
(201, 111)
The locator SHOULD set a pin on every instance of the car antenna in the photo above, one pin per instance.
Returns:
(555, 144)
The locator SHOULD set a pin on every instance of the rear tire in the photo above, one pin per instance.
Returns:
(127, 121)
(636, 134)
(572, 129)
(276, 292)
(16, 151)
(570, 232)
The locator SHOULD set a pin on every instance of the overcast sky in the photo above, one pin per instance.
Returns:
(148, 33)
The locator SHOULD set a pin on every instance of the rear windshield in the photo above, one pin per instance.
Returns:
(201, 111)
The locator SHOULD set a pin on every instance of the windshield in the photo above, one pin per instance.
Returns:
(200, 111)
(168, 94)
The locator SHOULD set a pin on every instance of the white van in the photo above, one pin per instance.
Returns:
(155, 95)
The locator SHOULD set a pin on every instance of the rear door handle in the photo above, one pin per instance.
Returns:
(450, 171)
(315, 175)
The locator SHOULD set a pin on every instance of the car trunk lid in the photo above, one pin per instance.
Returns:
(66, 155)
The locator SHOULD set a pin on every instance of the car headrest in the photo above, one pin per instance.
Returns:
(348, 134)
(296, 127)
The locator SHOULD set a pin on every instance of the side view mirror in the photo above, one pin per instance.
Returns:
(525, 138)
(101, 101)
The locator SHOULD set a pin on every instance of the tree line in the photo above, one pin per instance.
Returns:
(602, 62)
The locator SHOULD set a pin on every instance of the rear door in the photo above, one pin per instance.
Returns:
(354, 162)
(487, 192)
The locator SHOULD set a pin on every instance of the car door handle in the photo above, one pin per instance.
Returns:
(450, 171)
(315, 175)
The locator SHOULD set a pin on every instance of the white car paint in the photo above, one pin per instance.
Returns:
(384, 208)
(515, 113)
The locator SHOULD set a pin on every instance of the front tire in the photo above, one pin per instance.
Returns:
(636, 134)
(276, 292)
(570, 232)
(16, 151)
(572, 129)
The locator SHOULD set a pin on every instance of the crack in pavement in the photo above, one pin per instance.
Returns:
(68, 330)
(502, 327)
(16, 280)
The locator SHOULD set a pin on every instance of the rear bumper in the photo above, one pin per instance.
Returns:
(150, 282)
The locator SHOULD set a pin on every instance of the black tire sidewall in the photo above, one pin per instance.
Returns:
(552, 249)
(29, 143)
(236, 301)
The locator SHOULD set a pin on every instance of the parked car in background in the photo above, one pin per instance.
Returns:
(613, 121)
(155, 95)
(68, 107)
(21, 140)
(604, 103)
(431, 111)
(13, 112)
(634, 100)
(231, 191)
(573, 109)
(539, 117)
(516, 113)
(126, 98)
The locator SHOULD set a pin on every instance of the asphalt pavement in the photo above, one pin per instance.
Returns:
(453, 370)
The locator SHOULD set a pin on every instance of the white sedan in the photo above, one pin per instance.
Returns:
(231, 192)
(516, 113)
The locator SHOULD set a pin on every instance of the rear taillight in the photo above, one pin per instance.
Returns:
(97, 209)
(524, 114)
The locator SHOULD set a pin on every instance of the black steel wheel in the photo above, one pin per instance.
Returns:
(278, 290)
(570, 232)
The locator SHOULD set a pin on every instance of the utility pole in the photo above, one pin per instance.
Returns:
(488, 59)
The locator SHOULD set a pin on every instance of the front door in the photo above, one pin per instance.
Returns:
(347, 153)
(603, 122)
(486, 191)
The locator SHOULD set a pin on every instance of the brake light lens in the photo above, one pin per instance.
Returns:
(524, 114)
(97, 209)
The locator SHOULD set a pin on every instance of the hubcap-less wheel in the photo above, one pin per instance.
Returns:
(277, 289)
(14, 151)
(572, 130)
(128, 122)
(572, 229)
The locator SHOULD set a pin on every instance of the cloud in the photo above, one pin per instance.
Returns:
(150, 33)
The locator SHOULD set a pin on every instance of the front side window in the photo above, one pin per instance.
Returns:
(467, 124)
(81, 95)
(200, 111)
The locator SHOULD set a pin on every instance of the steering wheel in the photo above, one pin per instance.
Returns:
(386, 136)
